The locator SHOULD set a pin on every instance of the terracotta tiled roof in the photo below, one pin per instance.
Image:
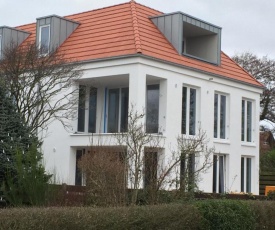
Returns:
(126, 29)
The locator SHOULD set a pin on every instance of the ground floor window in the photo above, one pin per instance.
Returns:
(219, 172)
(187, 170)
(246, 169)
(79, 177)
(150, 169)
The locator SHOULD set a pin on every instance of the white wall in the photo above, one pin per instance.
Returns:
(171, 80)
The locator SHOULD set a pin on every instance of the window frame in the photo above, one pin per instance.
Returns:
(152, 87)
(226, 120)
(187, 110)
(86, 102)
(120, 98)
(246, 174)
(40, 38)
(217, 185)
(245, 136)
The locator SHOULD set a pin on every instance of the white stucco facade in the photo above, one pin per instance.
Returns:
(59, 145)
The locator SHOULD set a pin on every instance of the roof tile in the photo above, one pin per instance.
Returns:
(126, 29)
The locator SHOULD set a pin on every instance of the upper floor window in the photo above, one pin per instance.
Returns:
(189, 109)
(44, 39)
(220, 116)
(152, 109)
(118, 110)
(246, 170)
(246, 120)
(90, 113)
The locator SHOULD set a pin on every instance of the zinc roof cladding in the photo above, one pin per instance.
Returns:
(126, 29)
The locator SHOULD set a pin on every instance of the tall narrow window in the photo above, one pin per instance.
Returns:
(150, 170)
(189, 105)
(220, 116)
(81, 108)
(152, 109)
(246, 169)
(187, 170)
(92, 110)
(118, 110)
(44, 39)
(219, 173)
(246, 134)
(124, 101)
(113, 110)
(79, 178)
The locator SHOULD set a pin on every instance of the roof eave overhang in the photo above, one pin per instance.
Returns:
(170, 63)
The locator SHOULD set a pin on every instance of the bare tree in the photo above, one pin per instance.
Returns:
(40, 85)
(137, 143)
(263, 69)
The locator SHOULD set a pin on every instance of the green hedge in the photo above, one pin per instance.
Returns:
(208, 214)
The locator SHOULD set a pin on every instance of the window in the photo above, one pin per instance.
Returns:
(81, 108)
(220, 116)
(219, 173)
(91, 114)
(79, 177)
(187, 170)
(92, 110)
(152, 109)
(150, 170)
(118, 110)
(246, 174)
(44, 39)
(246, 121)
(189, 104)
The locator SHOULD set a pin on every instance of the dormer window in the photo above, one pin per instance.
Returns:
(52, 31)
(191, 36)
(44, 39)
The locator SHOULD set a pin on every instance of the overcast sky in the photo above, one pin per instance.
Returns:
(247, 25)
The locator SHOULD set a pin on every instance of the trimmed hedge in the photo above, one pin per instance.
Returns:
(139, 217)
(206, 214)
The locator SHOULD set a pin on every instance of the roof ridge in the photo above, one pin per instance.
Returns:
(135, 26)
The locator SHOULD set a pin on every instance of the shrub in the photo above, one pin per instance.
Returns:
(145, 217)
(225, 214)
(264, 214)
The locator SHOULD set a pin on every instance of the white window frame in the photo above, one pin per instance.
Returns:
(119, 107)
(217, 190)
(219, 113)
(245, 121)
(189, 87)
(244, 175)
(40, 37)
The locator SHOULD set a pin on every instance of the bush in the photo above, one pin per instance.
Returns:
(226, 214)
(264, 214)
(145, 217)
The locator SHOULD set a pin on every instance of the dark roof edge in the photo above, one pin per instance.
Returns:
(54, 15)
(170, 63)
(188, 15)
(14, 28)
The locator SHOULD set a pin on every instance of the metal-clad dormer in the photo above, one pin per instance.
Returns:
(11, 36)
(52, 31)
(191, 36)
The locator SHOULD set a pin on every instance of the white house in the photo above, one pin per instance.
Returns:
(169, 65)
